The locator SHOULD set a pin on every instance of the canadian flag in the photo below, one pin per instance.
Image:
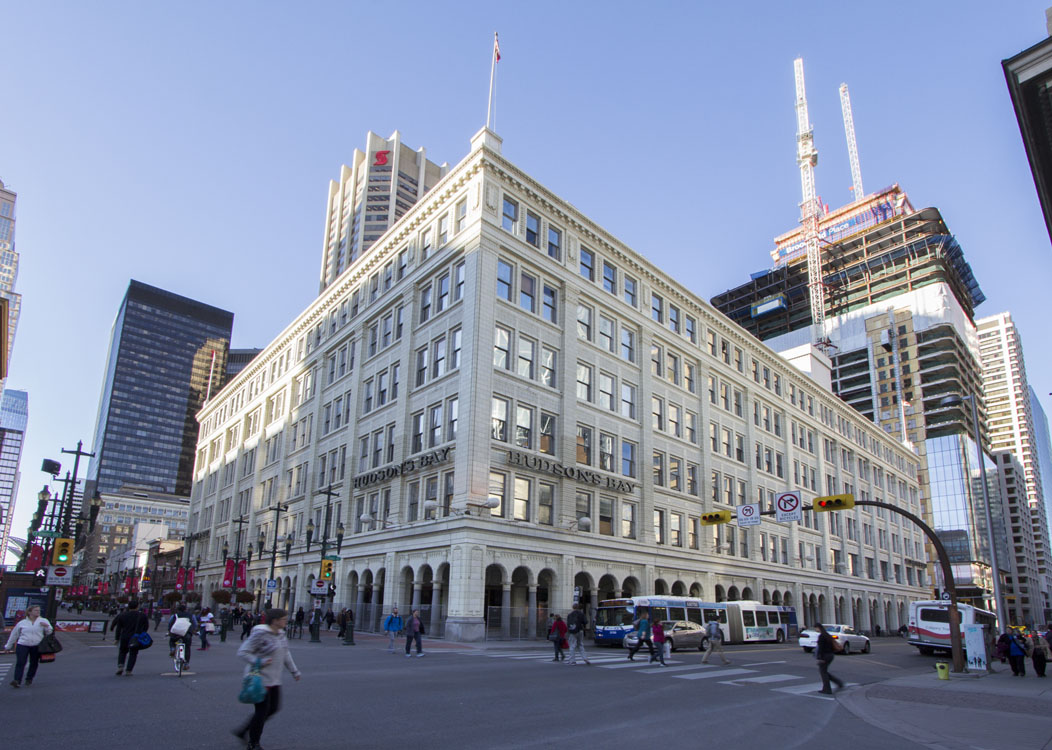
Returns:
(496, 47)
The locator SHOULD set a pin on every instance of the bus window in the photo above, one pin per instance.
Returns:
(785, 618)
(712, 614)
(677, 613)
(658, 614)
(747, 619)
(694, 615)
(723, 616)
(611, 616)
(761, 619)
(935, 615)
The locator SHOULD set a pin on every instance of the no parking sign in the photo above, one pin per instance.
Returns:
(787, 507)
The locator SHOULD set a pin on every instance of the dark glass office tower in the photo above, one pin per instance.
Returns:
(167, 355)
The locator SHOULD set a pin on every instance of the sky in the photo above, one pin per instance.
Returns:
(190, 146)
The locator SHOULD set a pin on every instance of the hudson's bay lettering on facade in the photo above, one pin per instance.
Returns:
(584, 476)
(406, 467)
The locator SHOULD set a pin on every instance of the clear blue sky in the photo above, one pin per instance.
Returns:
(190, 145)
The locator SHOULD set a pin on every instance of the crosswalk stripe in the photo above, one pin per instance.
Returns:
(627, 664)
(766, 678)
(683, 668)
(810, 690)
(706, 675)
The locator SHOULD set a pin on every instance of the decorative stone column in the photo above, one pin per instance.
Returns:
(436, 607)
(378, 605)
(417, 585)
(531, 612)
(358, 603)
(505, 611)
(466, 593)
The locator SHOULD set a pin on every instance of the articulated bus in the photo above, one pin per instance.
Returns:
(929, 627)
(740, 622)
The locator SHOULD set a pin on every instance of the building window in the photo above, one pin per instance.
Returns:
(521, 504)
(584, 382)
(584, 445)
(545, 503)
(628, 520)
(504, 280)
(659, 526)
(500, 419)
(497, 489)
(555, 243)
(502, 348)
(628, 458)
(630, 288)
(587, 263)
(533, 229)
(547, 444)
(511, 215)
(528, 293)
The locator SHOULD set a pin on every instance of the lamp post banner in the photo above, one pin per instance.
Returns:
(228, 574)
(180, 578)
(190, 573)
(242, 574)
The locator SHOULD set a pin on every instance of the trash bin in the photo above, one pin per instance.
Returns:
(943, 669)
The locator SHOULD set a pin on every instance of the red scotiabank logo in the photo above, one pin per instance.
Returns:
(381, 158)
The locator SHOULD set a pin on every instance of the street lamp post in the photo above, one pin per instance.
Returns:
(237, 557)
(995, 570)
(315, 635)
(261, 542)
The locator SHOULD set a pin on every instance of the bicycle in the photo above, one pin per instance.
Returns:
(180, 657)
(294, 630)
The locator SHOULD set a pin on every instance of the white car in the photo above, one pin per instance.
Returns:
(845, 634)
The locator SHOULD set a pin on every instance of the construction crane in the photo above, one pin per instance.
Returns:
(810, 210)
(852, 147)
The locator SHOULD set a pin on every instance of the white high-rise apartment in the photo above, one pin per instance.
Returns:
(1011, 427)
(500, 409)
(382, 183)
(9, 263)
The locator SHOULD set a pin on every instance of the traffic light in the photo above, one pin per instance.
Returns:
(326, 570)
(62, 552)
(715, 518)
(833, 502)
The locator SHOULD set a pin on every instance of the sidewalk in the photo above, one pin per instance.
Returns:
(988, 711)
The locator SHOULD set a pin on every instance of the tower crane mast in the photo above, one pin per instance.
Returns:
(852, 147)
(810, 212)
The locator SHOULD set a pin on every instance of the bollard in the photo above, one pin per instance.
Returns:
(943, 669)
(222, 632)
(348, 636)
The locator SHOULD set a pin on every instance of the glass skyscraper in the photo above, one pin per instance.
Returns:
(167, 355)
(14, 415)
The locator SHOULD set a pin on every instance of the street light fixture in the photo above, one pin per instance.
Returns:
(1002, 611)
(261, 543)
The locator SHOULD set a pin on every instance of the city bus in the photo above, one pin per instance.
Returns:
(614, 617)
(929, 628)
(751, 621)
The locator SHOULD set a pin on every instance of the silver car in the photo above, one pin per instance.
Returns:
(844, 634)
(680, 634)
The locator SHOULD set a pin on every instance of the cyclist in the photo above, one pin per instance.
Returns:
(187, 636)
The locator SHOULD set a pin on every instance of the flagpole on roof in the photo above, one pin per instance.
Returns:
(492, 72)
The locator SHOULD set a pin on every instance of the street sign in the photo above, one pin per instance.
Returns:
(319, 587)
(749, 515)
(59, 575)
(48, 534)
(334, 558)
(272, 585)
(787, 507)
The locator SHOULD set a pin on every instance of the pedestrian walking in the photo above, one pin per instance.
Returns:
(156, 618)
(557, 635)
(393, 625)
(129, 624)
(1003, 644)
(300, 616)
(658, 629)
(575, 626)
(714, 641)
(642, 636)
(1041, 654)
(26, 636)
(414, 631)
(268, 646)
(207, 626)
(330, 618)
(1018, 649)
(246, 625)
(824, 653)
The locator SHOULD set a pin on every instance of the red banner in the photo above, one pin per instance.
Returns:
(127, 585)
(98, 587)
(180, 578)
(190, 575)
(228, 574)
(242, 574)
(134, 583)
(35, 559)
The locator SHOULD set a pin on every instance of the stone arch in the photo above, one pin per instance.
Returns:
(608, 588)
(695, 590)
(874, 615)
(902, 613)
(765, 597)
(889, 626)
(721, 595)
(748, 595)
(787, 598)
(546, 582)
(733, 595)
(660, 587)
(586, 583)
(630, 586)
(776, 598)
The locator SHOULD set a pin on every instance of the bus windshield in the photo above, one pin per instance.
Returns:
(610, 616)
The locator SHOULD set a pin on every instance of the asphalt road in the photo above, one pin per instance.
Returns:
(455, 697)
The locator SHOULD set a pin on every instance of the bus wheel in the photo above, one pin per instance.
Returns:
(780, 637)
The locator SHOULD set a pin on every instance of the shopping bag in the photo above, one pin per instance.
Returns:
(252, 689)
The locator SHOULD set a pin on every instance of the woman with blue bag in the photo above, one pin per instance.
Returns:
(129, 629)
(266, 652)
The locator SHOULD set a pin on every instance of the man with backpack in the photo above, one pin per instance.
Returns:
(575, 624)
(181, 627)
(393, 625)
(714, 641)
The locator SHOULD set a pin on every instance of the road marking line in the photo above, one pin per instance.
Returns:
(810, 690)
(759, 663)
(706, 675)
(765, 678)
(625, 663)
(678, 669)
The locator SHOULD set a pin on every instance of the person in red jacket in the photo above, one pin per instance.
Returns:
(557, 635)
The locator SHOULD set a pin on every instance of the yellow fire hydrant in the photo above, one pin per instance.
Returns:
(943, 669)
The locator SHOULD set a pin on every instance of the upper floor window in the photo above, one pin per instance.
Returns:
(511, 215)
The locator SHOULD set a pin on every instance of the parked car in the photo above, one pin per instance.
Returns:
(845, 634)
(680, 634)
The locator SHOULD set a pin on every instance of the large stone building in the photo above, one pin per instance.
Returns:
(502, 408)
